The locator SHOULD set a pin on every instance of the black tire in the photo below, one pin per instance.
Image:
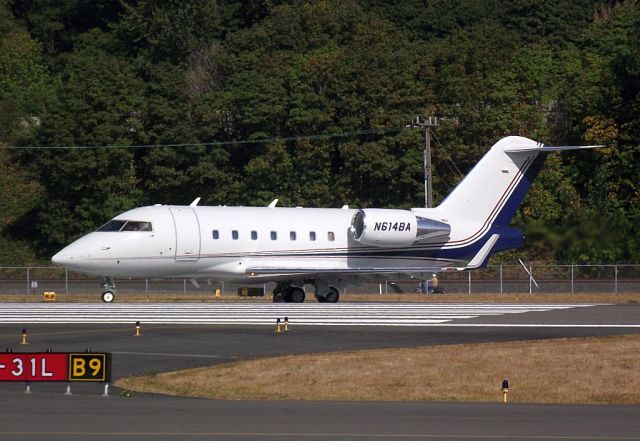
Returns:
(333, 296)
(296, 295)
(278, 297)
(321, 299)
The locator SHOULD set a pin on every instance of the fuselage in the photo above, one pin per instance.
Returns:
(222, 243)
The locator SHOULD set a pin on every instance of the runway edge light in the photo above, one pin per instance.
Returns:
(505, 390)
(23, 340)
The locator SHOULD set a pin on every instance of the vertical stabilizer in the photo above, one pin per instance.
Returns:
(492, 191)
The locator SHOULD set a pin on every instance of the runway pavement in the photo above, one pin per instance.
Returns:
(146, 417)
(47, 414)
(343, 314)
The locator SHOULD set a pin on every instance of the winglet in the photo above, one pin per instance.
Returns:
(482, 255)
(273, 203)
(195, 202)
(479, 258)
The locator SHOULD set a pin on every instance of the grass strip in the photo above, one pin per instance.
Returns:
(598, 370)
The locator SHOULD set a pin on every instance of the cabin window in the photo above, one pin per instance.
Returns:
(234, 234)
(216, 234)
(312, 236)
(292, 235)
(112, 225)
(274, 235)
(331, 236)
(137, 226)
(254, 235)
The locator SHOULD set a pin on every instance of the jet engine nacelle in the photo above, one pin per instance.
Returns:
(392, 228)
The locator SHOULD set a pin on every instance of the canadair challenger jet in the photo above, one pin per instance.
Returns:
(323, 247)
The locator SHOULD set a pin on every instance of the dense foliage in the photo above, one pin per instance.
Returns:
(211, 73)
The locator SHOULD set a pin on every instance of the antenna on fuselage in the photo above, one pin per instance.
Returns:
(195, 202)
(273, 203)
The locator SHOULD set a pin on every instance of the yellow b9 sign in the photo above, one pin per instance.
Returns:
(90, 367)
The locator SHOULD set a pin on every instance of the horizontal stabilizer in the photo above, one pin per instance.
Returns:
(549, 148)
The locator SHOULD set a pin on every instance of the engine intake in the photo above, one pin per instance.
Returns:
(393, 228)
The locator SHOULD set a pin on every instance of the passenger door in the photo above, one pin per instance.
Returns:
(187, 228)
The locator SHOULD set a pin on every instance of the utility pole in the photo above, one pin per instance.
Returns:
(426, 124)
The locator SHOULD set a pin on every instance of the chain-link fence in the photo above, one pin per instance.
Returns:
(492, 280)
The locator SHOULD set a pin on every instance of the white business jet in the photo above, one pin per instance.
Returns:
(325, 248)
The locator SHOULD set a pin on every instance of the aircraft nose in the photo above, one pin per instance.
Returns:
(62, 258)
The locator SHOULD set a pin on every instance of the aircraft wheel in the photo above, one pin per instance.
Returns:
(108, 296)
(278, 297)
(296, 295)
(333, 296)
(321, 299)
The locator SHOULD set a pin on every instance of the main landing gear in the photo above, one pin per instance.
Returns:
(332, 296)
(286, 292)
(108, 290)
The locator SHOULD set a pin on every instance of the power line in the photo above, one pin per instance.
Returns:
(457, 170)
(216, 143)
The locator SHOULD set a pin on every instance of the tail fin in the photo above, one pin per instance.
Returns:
(494, 189)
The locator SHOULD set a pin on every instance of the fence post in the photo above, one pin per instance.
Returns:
(469, 282)
(184, 286)
(530, 278)
(66, 281)
(572, 266)
(615, 272)
(146, 286)
(501, 291)
(28, 281)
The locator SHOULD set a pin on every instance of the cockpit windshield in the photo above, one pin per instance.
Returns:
(112, 225)
(123, 225)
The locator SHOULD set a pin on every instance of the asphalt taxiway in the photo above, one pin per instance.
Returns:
(47, 414)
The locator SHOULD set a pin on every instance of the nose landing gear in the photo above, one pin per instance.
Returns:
(108, 290)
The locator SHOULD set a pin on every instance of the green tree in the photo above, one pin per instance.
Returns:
(99, 103)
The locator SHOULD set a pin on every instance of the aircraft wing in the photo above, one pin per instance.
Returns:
(272, 271)
(476, 262)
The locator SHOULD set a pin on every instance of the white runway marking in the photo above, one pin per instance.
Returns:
(341, 314)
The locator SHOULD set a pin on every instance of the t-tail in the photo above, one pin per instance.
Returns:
(489, 195)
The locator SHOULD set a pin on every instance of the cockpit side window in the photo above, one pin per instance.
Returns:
(112, 225)
(123, 225)
(137, 226)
